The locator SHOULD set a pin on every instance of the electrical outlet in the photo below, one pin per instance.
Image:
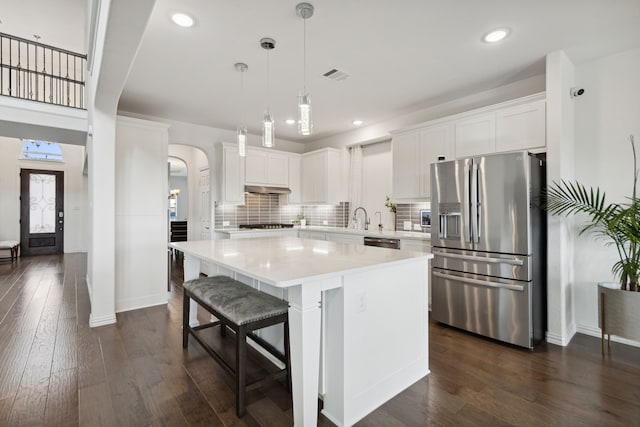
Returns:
(417, 227)
(225, 223)
(325, 222)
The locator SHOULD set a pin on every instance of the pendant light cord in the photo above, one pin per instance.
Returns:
(304, 55)
(268, 88)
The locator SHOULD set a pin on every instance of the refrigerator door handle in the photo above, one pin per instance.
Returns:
(467, 204)
(478, 282)
(475, 228)
(490, 260)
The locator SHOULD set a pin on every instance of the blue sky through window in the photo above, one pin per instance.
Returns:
(41, 150)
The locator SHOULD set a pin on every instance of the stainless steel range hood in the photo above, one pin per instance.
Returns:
(261, 189)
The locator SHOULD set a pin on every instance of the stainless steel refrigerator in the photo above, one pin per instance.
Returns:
(489, 246)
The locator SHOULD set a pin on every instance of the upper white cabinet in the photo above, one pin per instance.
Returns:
(475, 135)
(230, 175)
(435, 142)
(521, 127)
(322, 176)
(412, 155)
(266, 168)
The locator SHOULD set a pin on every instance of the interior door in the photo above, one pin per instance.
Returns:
(41, 212)
(205, 205)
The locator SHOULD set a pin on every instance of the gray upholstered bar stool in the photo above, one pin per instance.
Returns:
(243, 309)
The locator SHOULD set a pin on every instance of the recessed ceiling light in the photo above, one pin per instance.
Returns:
(357, 122)
(495, 35)
(290, 121)
(182, 19)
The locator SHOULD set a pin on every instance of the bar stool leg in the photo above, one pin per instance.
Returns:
(241, 370)
(185, 319)
(287, 355)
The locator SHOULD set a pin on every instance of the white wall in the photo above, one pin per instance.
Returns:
(376, 182)
(141, 214)
(75, 192)
(605, 115)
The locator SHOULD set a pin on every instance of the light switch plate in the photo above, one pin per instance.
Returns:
(416, 227)
(406, 225)
(325, 222)
(225, 223)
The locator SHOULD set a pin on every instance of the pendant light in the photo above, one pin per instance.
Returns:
(305, 122)
(268, 139)
(242, 129)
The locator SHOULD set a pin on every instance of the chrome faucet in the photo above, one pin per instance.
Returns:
(366, 217)
(379, 220)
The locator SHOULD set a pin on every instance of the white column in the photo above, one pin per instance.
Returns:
(560, 149)
(101, 257)
(304, 333)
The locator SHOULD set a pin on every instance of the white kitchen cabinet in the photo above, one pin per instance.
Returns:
(412, 155)
(435, 141)
(266, 168)
(521, 127)
(295, 179)
(405, 165)
(423, 246)
(475, 135)
(345, 238)
(309, 234)
(230, 175)
(323, 176)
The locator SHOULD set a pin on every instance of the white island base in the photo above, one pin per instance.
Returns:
(368, 307)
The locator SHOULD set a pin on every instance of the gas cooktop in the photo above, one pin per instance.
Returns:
(265, 226)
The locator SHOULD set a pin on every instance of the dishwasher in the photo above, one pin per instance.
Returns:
(382, 242)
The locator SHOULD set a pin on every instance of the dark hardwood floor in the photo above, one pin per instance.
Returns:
(55, 370)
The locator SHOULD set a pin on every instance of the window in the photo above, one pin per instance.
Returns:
(41, 150)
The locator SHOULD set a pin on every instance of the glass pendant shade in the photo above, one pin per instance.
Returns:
(267, 131)
(305, 123)
(242, 141)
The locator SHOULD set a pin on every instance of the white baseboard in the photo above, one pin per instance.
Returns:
(94, 321)
(596, 332)
(562, 340)
(141, 302)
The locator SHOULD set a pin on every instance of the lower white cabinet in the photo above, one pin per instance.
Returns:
(345, 238)
(423, 246)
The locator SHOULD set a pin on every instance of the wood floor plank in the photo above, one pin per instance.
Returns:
(62, 402)
(95, 408)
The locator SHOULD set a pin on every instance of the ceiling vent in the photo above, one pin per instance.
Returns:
(335, 74)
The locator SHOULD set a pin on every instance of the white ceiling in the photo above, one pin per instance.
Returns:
(401, 55)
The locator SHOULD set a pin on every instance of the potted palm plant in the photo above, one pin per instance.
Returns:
(619, 225)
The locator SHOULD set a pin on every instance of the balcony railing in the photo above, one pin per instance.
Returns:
(42, 73)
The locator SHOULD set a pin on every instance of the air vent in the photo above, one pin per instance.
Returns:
(335, 74)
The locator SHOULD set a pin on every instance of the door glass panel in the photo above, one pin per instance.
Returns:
(42, 203)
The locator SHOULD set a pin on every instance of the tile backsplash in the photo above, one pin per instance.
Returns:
(411, 212)
(266, 208)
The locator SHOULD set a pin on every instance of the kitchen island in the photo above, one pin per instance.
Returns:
(366, 305)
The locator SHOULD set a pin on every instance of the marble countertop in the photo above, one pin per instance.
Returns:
(390, 234)
(287, 261)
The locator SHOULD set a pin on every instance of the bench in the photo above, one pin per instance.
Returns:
(10, 245)
(242, 309)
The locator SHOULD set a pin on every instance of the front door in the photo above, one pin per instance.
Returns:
(41, 211)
